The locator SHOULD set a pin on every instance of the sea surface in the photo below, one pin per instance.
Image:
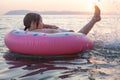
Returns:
(100, 63)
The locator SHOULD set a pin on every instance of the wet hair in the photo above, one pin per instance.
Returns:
(29, 17)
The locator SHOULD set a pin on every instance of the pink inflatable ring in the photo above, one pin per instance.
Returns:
(44, 44)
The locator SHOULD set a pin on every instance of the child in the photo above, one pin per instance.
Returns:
(33, 22)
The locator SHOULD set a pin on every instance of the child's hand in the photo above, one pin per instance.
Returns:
(50, 26)
(71, 31)
(54, 27)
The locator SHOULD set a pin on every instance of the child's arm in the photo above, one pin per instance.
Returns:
(50, 26)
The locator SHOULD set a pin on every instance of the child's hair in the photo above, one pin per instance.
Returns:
(29, 18)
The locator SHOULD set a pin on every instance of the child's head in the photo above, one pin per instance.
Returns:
(31, 17)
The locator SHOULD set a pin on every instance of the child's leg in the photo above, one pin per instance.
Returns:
(85, 30)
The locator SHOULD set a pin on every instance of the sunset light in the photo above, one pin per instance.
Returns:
(59, 39)
(89, 4)
(60, 5)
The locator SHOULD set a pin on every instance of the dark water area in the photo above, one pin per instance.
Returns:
(100, 63)
(59, 67)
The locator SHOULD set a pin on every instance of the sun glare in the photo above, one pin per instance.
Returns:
(53, 5)
(91, 3)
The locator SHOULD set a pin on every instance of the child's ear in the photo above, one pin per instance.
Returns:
(33, 23)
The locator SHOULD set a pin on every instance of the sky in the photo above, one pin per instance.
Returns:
(106, 6)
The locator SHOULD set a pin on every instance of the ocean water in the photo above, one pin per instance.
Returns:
(100, 63)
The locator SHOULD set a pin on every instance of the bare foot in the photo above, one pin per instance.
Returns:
(96, 16)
